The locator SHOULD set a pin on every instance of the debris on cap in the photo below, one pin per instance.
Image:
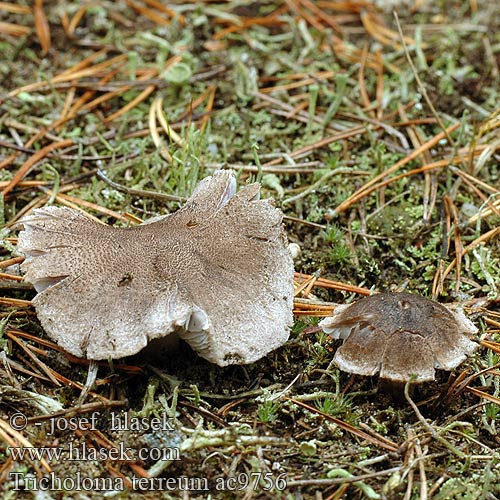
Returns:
(399, 336)
(218, 271)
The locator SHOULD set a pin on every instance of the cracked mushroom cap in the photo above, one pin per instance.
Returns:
(218, 271)
(399, 335)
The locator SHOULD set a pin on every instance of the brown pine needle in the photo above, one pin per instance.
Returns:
(85, 63)
(494, 346)
(361, 80)
(75, 20)
(377, 441)
(365, 190)
(484, 395)
(149, 13)
(67, 76)
(269, 20)
(73, 202)
(12, 277)
(42, 26)
(163, 8)
(321, 14)
(304, 14)
(42, 366)
(335, 285)
(491, 234)
(452, 212)
(14, 29)
(132, 104)
(14, 8)
(11, 262)
(10, 302)
(31, 162)
(15, 438)
(373, 25)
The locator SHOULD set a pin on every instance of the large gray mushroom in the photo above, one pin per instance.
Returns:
(399, 336)
(218, 271)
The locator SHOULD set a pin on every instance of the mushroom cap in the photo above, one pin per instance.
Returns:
(218, 271)
(399, 335)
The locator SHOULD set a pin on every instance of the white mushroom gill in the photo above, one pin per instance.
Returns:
(218, 271)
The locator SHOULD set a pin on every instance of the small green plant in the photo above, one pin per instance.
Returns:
(492, 411)
(340, 405)
(337, 253)
(267, 412)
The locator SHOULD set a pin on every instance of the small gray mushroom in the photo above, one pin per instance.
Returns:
(399, 335)
(218, 271)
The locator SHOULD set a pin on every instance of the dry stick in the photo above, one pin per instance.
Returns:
(428, 426)
(71, 358)
(83, 99)
(352, 479)
(77, 410)
(139, 192)
(410, 461)
(365, 190)
(494, 346)
(300, 288)
(84, 63)
(375, 29)
(70, 96)
(421, 467)
(420, 170)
